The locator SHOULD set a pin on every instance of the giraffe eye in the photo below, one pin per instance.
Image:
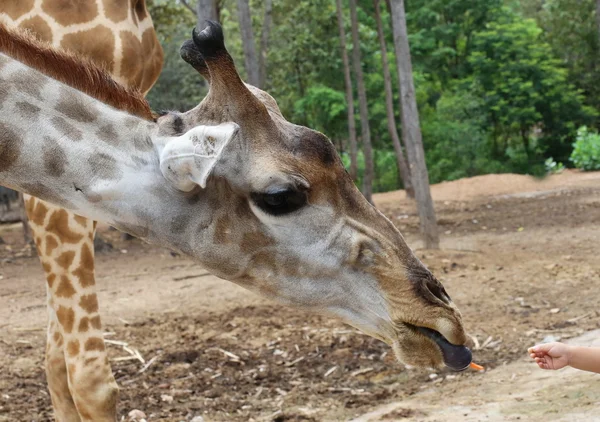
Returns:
(280, 202)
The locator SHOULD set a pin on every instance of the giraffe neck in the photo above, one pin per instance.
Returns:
(63, 146)
(60, 145)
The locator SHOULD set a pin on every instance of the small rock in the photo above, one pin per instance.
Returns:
(550, 339)
(197, 419)
(433, 376)
(554, 310)
(166, 398)
(136, 415)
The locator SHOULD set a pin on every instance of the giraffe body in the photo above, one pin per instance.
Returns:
(250, 196)
(117, 35)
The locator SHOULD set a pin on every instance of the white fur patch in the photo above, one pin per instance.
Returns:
(188, 160)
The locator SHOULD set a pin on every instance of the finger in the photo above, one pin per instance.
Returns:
(542, 348)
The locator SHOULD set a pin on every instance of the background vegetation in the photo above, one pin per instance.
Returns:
(502, 86)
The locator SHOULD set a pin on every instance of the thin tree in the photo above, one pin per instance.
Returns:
(264, 44)
(250, 57)
(389, 107)
(411, 128)
(207, 10)
(598, 17)
(349, 94)
(364, 111)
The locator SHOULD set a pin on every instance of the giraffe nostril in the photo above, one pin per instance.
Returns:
(436, 289)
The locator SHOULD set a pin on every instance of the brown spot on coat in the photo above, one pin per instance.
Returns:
(67, 129)
(66, 259)
(65, 288)
(87, 362)
(50, 279)
(55, 158)
(16, 8)
(139, 6)
(96, 322)
(46, 193)
(105, 167)
(73, 348)
(154, 55)
(69, 12)
(30, 83)
(38, 27)
(59, 225)
(82, 221)
(51, 244)
(94, 343)
(114, 10)
(74, 109)
(108, 134)
(132, 67)
(84, 325)
(10, 148)
(89, 303)
(28, 110)
(47, 267)
(66, 317)
(37, 213)
(85, 272)
(222, 230)
(254, 241)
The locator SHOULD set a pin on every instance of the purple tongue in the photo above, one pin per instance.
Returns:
(456, 357)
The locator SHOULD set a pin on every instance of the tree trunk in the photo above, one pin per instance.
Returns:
(389, 106)
(349, 95)
(598, 17)
(364, 112)
(264, 44)
(411, 129)
(207, 10)
(250, 57)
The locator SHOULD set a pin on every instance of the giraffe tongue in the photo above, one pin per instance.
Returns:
(456, 357)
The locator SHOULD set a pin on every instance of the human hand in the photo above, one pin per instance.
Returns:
(550, 355)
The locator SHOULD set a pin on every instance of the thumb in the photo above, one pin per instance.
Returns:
(540, 348)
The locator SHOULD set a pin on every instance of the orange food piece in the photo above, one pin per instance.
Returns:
(476, 367)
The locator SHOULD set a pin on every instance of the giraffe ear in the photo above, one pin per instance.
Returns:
(188, 160)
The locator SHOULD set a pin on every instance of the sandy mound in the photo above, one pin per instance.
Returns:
(496, 185)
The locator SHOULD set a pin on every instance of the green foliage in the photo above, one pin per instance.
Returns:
(552, 167)
(323, 109)
(386, 171)
(586, 151)
(570, 28)
(502, 86)
(179, 86)
(526, 90)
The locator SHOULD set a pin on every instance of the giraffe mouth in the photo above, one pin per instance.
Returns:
(456, 357)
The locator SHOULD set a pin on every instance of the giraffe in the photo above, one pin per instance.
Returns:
(117, 35)
(250, 196)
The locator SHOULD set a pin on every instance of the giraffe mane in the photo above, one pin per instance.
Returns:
(73, 70)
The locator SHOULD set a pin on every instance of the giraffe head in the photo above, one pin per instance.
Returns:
(288, 222)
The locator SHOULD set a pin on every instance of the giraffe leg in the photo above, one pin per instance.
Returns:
(56, 373)
(65, 246)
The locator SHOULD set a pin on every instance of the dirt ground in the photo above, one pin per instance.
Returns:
(519, 257)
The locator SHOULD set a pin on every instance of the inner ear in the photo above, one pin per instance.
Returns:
(188, 160)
